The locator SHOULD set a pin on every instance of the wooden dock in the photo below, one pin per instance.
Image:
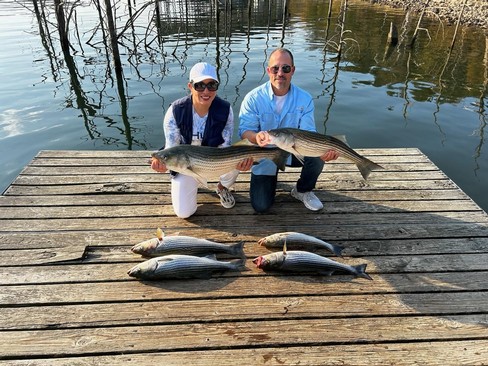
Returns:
(69, 219)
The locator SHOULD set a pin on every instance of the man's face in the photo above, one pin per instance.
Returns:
(278, 65)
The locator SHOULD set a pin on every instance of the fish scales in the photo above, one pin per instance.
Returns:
(306, 262)
(180, 244)
(295, 240)
(181, 266)
(313, 144)
(205, 162)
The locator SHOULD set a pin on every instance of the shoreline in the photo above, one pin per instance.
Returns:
(475, 12)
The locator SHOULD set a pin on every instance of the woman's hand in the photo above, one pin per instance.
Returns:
(158, 166)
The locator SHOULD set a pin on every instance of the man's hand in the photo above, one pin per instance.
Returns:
(158, 166)
(245, 165)
(330, 155)
(262, 138)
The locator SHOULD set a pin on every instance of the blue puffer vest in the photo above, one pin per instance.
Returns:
(216, 120)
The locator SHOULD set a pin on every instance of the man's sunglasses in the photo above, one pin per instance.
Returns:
(211, 86)
(286, 69)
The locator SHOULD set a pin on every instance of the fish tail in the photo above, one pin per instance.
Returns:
(238, 249)
(239, 263)
(361, 271)
(337, 249)
(280, 160)
(366, 166)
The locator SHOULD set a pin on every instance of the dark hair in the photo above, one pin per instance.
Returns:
(285, 50)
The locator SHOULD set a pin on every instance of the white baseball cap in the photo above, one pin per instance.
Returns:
(202, 71)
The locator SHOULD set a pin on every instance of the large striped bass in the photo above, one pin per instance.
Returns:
(313, 144)
(180, 244)
(294, 240)
(176, 266)
(205, 162)
(306, 262)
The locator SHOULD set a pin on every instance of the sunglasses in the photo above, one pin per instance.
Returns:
(211, 86)
(286, 69)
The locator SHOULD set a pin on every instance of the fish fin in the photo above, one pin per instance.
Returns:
(327, 273)
(240, 263)
(201, 180)
(190, 172)
(281, 159)
(366, 166)
(159, 234)
(361, 271)
(238, 249)
(211, 256)
(342, 138)
(299, 156)
(337, 250)
(284, 248)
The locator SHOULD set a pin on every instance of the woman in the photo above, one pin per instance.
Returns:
(201, 118)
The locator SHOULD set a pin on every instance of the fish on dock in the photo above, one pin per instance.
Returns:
(180, 266)
(303, 143)
(180, 244)
(205, 163)
(294, 240)
(306, 262)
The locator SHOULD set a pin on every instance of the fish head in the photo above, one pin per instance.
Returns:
(175, 158)
(269, 261)
(282, 138)
(261, 262)
(143, 269)
(146, 247)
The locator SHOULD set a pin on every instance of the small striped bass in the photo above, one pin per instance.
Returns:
(294, 240)
(177, 266)
(163, 245)
(306, 262)
(205, 162)
(313, 144)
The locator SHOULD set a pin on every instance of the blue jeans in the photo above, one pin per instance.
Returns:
(263, 187)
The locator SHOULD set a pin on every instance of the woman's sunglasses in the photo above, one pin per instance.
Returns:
(211, 86)
(286, 69)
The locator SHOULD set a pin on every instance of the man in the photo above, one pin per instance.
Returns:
(201, 118)
(277, 104)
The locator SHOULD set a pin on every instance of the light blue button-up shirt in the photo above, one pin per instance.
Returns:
(258, 113)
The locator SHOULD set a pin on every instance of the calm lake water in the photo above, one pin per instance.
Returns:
(73, 97)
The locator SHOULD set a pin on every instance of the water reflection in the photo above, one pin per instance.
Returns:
(116, 63)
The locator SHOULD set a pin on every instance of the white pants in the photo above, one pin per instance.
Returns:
(184, 191)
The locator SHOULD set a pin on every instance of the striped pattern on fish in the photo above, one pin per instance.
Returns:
(185, 245)
(205, 162)
(179, 266)
(313, 144)
(294, 240)
(306, 262)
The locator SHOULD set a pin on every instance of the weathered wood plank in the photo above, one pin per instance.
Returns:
(82, 211)
(400, 354)
(69, 220)
(150, 177)
(120, 288)
(240, 309)
(162, 186)
(341, 227)
(205, 196)
(203, 336)
(50, 251)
